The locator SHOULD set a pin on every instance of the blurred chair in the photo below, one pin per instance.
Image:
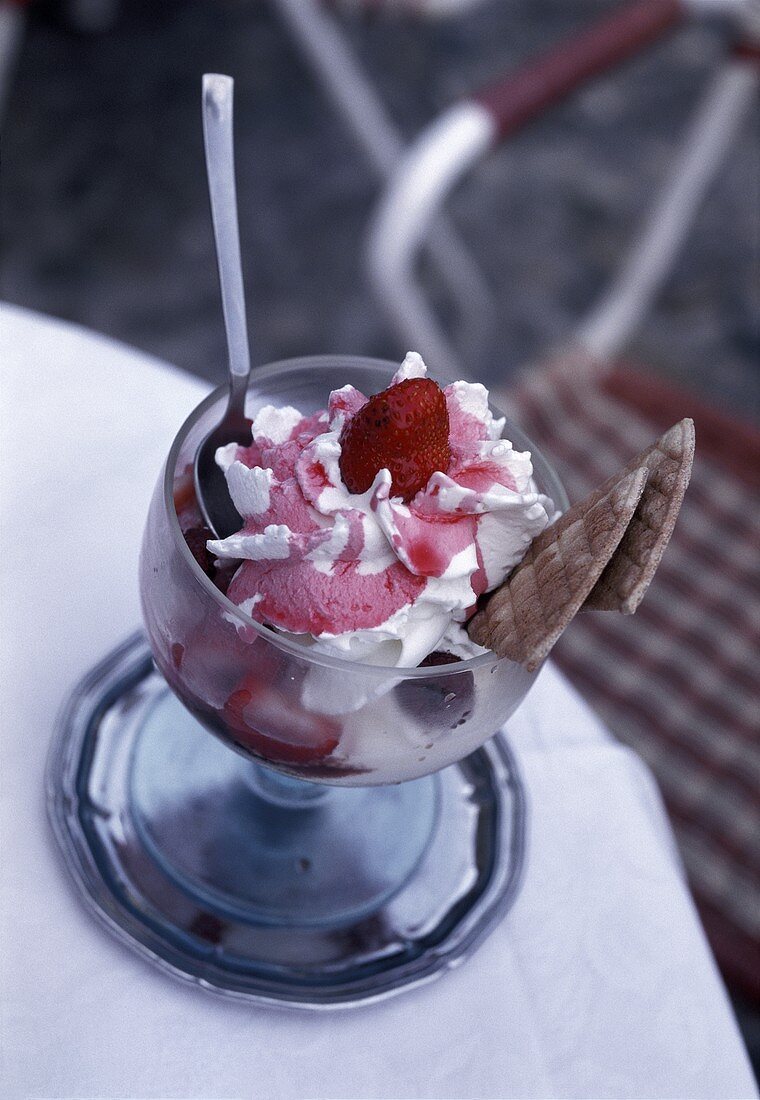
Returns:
(319, 36)
(450, 146)
(679, 682)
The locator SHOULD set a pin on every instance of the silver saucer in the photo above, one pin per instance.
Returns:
(108, 807)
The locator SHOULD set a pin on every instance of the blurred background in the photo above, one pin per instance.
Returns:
(105, 217)
(105, 209)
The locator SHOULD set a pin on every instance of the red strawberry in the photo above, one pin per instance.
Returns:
(270, 725)
(196, 538)
(404, 429)
(184, 491)
(441, 702)
(438, 657)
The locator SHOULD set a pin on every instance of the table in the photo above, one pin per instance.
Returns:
(598, 983)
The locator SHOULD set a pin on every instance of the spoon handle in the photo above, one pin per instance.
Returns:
(220, 168)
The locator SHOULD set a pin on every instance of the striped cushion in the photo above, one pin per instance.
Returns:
(678, 681)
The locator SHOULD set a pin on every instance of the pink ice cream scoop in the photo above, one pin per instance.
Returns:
(366, 575)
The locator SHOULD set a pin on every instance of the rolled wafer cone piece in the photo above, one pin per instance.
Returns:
(525, 616)
(629, 571)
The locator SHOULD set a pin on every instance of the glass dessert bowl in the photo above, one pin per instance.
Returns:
(367, 830)
(297, 709)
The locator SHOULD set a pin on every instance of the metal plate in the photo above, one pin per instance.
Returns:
(468, 824)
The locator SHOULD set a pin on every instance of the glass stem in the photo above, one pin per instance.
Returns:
(282, 790)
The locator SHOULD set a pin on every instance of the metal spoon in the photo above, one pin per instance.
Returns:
(214, 501)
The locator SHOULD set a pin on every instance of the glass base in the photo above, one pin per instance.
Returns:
(251, 845)
(259, 886)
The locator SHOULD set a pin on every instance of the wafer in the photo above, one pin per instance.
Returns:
(526, 615)
(629, 571)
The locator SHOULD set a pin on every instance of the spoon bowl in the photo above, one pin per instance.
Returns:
(219, 513)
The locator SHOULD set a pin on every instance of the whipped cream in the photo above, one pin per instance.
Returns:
(366, 576)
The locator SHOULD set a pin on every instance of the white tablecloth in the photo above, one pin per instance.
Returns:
(598, 983)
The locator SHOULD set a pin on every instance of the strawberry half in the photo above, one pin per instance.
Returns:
(441, 702)
(258, 714)
(404, 429)
(196, 538)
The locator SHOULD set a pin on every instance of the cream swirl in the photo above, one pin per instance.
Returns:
(367, 576)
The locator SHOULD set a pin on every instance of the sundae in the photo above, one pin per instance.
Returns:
(370, 532)
(371, 528)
